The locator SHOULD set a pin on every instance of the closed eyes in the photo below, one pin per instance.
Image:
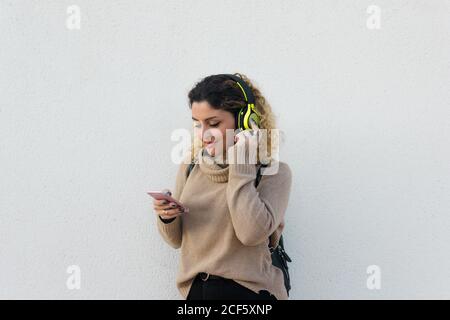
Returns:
(214, 125)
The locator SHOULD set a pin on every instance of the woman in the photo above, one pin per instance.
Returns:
(225, 236)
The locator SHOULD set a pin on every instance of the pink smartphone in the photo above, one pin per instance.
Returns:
(158, 195)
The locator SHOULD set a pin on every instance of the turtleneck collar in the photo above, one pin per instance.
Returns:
(214, 171)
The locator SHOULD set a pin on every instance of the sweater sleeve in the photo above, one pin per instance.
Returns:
(170, 230)
(257, 212)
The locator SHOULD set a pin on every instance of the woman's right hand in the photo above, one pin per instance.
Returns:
(165, 209)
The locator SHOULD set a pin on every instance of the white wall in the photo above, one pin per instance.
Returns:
(86, 117)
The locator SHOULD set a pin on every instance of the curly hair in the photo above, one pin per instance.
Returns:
(223, 93)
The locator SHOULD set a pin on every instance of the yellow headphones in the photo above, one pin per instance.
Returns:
(247, 113)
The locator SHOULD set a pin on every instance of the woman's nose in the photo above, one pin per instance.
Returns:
(206, 135)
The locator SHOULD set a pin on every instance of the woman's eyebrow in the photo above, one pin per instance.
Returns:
(205, 119)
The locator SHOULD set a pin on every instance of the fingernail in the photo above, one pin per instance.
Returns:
(164, 201)
(173, 205)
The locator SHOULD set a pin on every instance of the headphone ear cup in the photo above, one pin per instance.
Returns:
(240, 119)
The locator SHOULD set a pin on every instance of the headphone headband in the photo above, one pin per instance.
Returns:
(248, 94)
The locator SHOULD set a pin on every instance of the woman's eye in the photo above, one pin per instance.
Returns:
(214, 125)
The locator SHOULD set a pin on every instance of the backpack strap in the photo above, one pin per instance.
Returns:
(189, 169)
(281, 244)
(258, 175)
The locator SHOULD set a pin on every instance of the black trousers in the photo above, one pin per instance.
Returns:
(224, 289)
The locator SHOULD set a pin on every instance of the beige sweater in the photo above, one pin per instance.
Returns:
(226, 231)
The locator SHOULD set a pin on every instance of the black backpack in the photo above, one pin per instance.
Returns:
(279, 257)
